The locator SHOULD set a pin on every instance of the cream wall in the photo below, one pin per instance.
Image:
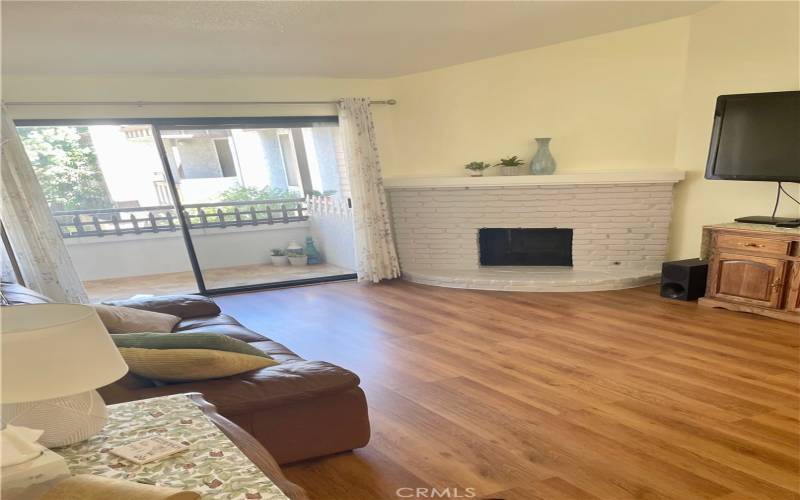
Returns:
(609, 101)
(735, 47)
(641, 98)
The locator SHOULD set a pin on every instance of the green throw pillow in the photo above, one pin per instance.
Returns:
(211, 341)
(188, 365)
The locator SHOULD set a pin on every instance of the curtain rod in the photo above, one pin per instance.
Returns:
(389, 102)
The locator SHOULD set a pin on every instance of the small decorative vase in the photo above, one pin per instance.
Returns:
(312, 252)
(293, 246)
(543, 162)
(476, 173)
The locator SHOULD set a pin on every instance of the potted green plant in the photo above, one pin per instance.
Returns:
(476, 168)
(279, 257)
(510, 166)
(297, 257)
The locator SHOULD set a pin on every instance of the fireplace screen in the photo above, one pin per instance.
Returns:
(525, 247)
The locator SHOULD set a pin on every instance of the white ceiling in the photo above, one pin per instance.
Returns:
(336, 39)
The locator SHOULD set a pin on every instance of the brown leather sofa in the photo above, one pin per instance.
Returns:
(298, 409)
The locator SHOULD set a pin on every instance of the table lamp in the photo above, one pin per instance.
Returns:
(54, 357)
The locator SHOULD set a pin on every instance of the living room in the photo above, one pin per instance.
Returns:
(412, 249)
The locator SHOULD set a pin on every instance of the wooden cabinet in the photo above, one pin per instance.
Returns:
(753, 269)
(793, 288)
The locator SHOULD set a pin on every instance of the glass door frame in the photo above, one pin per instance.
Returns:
(186, 123)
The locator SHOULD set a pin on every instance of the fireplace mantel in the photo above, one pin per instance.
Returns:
(566, 178)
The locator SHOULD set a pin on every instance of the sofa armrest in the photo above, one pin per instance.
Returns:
(268, 387)
(183, 306)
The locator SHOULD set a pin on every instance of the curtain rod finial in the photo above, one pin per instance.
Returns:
(391, 102)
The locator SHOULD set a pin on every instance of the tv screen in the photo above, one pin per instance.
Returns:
(756, 137)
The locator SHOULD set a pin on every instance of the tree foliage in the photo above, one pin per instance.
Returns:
(250, 193)
(66, 166)
(245, 193)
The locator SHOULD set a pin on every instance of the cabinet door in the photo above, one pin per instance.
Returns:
(793, 288)
(748, 279)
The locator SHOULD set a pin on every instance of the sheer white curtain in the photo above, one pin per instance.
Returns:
(376, 257)
(43, 260)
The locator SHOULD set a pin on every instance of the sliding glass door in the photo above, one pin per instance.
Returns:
(106, 188)
(196, 205)
(243, 190)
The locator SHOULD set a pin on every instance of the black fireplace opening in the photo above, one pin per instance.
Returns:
(525, 247)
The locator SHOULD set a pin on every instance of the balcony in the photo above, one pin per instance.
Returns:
(122, 252)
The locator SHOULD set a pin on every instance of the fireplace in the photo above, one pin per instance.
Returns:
(525, 247)
(619, 221)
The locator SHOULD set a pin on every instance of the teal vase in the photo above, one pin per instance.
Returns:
(543, 162)
(312, 252)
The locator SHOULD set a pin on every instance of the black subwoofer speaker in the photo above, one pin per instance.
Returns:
(684, 279)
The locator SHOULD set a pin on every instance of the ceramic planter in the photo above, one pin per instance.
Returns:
(476, 173)
(301, 260)
(509, 170)
(280, 260)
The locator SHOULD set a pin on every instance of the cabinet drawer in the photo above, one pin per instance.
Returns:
(737, 242)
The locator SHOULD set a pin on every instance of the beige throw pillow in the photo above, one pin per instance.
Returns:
(130, 320)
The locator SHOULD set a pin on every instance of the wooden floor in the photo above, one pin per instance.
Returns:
(531, 396)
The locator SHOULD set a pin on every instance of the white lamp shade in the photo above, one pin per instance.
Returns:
(55, 350)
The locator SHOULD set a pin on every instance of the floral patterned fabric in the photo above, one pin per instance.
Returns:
(213, 466)
(376, 257)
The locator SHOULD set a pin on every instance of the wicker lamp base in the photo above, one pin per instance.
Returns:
(65, 420)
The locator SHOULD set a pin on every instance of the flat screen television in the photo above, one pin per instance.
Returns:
(756, 137)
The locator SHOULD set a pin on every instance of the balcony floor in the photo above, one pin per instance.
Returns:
(183, 282)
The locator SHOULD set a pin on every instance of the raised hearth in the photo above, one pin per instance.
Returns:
(533, 279)
(619, 223)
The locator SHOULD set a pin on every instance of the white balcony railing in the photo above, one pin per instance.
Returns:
(154, 219)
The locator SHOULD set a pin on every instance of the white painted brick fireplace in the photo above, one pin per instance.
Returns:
(620, 223)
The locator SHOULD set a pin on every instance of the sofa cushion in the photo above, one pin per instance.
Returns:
(129, 320)
(183, 306)
(269, 387)
(220, 324)
(275, 350)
